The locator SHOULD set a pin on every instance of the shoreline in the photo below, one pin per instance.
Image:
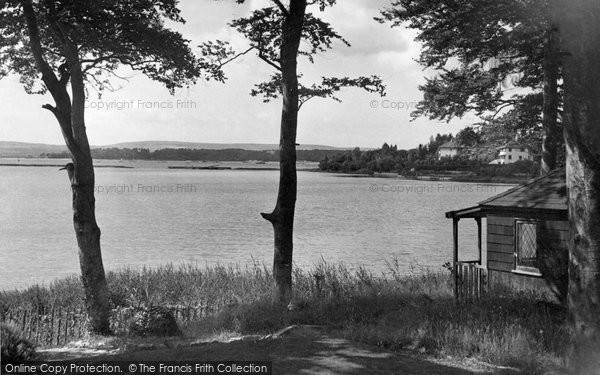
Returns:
(249, 165)
(60, 165)
(437, 178)
(301, 167)
(208, 168)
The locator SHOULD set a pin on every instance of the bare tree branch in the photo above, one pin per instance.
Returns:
(265, 59)
(235, 57)
(50, 107)
(281, 7)
(500, 108)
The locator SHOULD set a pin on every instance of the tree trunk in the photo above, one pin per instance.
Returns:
(282, 217)
(552, 133)
(84, 204)
(580, 31)
(70, 117)
(88, 241)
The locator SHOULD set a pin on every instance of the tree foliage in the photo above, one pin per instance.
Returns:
(467, 137)
(107, 35)
(262, 30)
(328, 87)
(186, 154)
(279, 35)
(476, 45)
(420, 160)
(72, 46)
(461, 37)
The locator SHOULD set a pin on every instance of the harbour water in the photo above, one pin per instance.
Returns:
(151, 215)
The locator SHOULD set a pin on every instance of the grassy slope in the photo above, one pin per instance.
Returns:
(396, 312)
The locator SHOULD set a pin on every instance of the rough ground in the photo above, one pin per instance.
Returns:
(295, 350)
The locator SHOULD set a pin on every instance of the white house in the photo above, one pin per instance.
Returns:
(511, 153)
(449, 149)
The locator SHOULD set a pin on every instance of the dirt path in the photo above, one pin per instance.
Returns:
(296, 355)
(305, 350)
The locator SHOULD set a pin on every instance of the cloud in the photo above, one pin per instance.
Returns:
(227, 113)
(355, 22)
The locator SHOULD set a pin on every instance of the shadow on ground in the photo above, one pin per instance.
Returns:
(305, 352)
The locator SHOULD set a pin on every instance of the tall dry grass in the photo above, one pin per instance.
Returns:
(395, 311)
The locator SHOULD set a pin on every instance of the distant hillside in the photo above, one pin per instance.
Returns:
(22, 149)
(157, 145)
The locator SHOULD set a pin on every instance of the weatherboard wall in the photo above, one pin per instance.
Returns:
(501, 240)
(501, 252)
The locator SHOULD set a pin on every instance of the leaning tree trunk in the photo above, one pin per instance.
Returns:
(552, 133)
(580, 33)
(88, 242)
(282, 217)
(70, 117)
(84, 207)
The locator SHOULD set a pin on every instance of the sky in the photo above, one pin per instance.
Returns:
(143, 110)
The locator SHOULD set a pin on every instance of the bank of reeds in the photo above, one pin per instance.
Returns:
(415, 312)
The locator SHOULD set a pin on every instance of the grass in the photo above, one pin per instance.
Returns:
(395, 311)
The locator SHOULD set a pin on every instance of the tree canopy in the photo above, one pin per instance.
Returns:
(279, 34)
(263, 31)
(461, 37)
(75, 45)
(106, 34)
(477, 45)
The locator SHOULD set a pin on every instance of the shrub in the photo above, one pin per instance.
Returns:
(154, 321)
(15, 347)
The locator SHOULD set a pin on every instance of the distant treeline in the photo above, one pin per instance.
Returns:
(421, 160)
(196, 154)
(385, 159)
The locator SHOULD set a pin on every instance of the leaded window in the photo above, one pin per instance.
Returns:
(526, 246)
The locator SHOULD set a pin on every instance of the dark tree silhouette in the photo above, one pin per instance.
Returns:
(579, 23)
(462, 37)
(75, 45)
(275, 33)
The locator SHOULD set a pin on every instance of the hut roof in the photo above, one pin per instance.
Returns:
(546, 194)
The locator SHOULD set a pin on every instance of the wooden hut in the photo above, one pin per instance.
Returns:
(523, 235)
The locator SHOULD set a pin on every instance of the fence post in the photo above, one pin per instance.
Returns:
(477, 282)
(82, 322)
(37, 326)
(24, 321)
(59, 326)
(30, 324)
(66, 335)
(471, 281)
(485, 281)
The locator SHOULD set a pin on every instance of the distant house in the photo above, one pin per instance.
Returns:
(449, 149)
(512, 152)
(522, 240)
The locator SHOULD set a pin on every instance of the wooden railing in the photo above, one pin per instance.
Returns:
(48, 328)
(470, 280)
(60, 326)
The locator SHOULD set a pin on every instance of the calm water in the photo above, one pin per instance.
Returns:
(152, 216)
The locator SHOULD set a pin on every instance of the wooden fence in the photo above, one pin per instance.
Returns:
(471, 281)
(59, 326)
